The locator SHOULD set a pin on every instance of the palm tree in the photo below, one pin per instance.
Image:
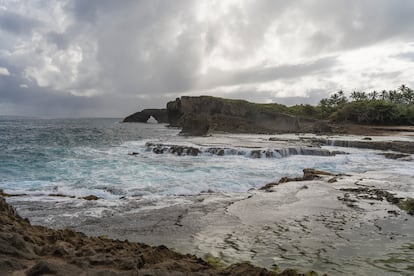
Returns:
(408, 96)
(402, 88)
(384, 95)
(359, 96)
(373, 95)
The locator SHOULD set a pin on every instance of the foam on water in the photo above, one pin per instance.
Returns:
(83, 163)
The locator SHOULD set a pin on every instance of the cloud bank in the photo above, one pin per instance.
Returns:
(111, 58)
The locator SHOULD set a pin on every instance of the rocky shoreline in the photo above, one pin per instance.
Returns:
(322, 221)
(31, 250)
(314, 222)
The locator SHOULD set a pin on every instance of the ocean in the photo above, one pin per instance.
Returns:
(153, 188)
(109, 159)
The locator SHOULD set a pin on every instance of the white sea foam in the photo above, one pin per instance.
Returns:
(131, 169)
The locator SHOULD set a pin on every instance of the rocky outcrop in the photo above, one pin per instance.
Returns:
(35, 250)
(182, 150)
(308, 175)
(194, 125)
(174, 112)
(218, 114)
(399, 146)
(142, 117)
(200, 115)
(397, 156)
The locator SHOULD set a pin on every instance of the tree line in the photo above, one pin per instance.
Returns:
(384, 107)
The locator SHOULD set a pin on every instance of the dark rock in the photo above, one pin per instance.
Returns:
(61, 195)
(321, 127)
(90, 197)
(10, 264)
(2, 193)
(333, 180)
(174, 112)
(41, 268)
(158, 150)
(308, 174)
(142, 117)
(247, 269)
(237, 115)
(194, 125)
(393, 212)
(397, 156)
(198, 115)
(65, 252)
(216, 151)
(256, 154)
(399, 146)
(338, 152)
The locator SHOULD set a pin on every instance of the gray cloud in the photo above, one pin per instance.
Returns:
(115, 57)
(18, 24)
(406, 55)
(261, 74)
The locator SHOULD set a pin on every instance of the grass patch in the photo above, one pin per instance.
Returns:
(407, 205)
(214, 261)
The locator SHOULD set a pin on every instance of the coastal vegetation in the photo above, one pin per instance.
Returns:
(388, 107)
(392, 107)
(203, 114)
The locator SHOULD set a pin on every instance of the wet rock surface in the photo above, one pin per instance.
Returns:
(398, 146)
(183, 150)
(36, 250)
(308, 174)
(405, 204)
(397, 156)
(337, 227)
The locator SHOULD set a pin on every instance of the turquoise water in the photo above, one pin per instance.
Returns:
(91, 156)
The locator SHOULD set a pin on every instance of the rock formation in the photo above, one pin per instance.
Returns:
(142, 117)
(198, 115)
(399, 146)
(35, 250)
(218, 114)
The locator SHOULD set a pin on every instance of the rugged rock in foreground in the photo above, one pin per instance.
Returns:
(36, 250)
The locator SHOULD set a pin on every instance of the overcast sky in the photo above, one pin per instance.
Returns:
(112, 58)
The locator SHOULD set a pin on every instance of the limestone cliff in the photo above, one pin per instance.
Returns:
(198, 115)
(218, 114)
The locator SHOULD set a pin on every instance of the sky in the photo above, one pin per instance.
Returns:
(108, 58)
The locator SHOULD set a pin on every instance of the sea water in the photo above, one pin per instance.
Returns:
(40, 158)
(109, 159)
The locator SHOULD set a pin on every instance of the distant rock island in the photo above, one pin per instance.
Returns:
(199, 115)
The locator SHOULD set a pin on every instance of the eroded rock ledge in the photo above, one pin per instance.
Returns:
(398, 146)
(36, 250)
(182, 150)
